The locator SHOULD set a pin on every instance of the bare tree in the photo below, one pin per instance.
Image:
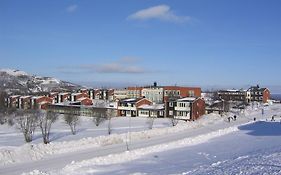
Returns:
(174, 121)
(72, 120)
(27, 121)
(46, 121)
(7, 116)
(99, 115)
(3, 107)
(150, 121)
(3, 117)
(110, 113)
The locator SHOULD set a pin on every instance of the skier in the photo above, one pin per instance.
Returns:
(234, 117)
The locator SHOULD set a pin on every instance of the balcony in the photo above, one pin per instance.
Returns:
(127, 108)
(182, 108)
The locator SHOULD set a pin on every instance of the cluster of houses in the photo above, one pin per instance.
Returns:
(149, 101)
(254, 93)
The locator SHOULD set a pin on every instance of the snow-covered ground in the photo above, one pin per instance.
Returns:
(210, 145)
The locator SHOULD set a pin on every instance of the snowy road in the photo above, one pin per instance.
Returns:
(59, 161)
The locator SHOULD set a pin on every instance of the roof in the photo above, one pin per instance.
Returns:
(64, 93)
(187, 99)
(78, 93)
(129, 100)
(83, 98)
(25, 96)
(256, 88)
(14, 96)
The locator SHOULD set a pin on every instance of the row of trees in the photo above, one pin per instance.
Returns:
(27, 121)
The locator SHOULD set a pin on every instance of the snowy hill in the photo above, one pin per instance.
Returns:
(16, 81)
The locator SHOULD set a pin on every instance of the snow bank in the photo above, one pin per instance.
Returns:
(31, 152)
(85, 167)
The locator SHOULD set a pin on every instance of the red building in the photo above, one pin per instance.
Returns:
(40, 102)
(129, 107)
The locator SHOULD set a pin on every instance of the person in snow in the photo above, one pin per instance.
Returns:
(272, 118)
(228, 119)
(254, 118)
(234, 117)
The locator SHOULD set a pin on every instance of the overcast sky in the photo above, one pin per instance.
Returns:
(183, 42)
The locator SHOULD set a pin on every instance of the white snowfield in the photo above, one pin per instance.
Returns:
(208, 145)
(28, 152)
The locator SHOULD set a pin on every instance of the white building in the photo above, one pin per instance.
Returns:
(155, 94)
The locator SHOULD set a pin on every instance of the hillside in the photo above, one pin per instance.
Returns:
(20, 82)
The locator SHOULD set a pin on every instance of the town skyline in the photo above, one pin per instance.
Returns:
(195, 43)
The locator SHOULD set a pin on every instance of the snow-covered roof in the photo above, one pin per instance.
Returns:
(25, 96)
(37, 97)
(78, 93)
(187, 99)
(81, 99)
(64, 93)
(129, 100)
(15, 96)
(152, 107)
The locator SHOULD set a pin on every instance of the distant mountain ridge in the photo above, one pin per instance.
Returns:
(19, 82)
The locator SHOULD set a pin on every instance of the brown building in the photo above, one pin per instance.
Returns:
(233, 95)
(254, 93)
(64, 96)
(76, 96)
(85, 101)
(180, 92)
(14, 101)
(40, 102)
(259, 94)
(189, 108)
(25, 102)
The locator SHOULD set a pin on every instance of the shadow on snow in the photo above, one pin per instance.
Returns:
(262, 128)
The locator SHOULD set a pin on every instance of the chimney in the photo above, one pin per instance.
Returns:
(155, 84)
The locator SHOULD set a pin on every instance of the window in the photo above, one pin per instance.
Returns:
(171, 104)
(191, 93)
(171, 112)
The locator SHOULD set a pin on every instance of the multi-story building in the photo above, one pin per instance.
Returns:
(254, 93)
(160, 94)
(233, 95)
(64, 96)
(171, 92)
(134, 92)
(40, 102)
(154, 94)
(120, 94)
(14, 101)
(25, 102)
(189, 108)
(259, 94)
